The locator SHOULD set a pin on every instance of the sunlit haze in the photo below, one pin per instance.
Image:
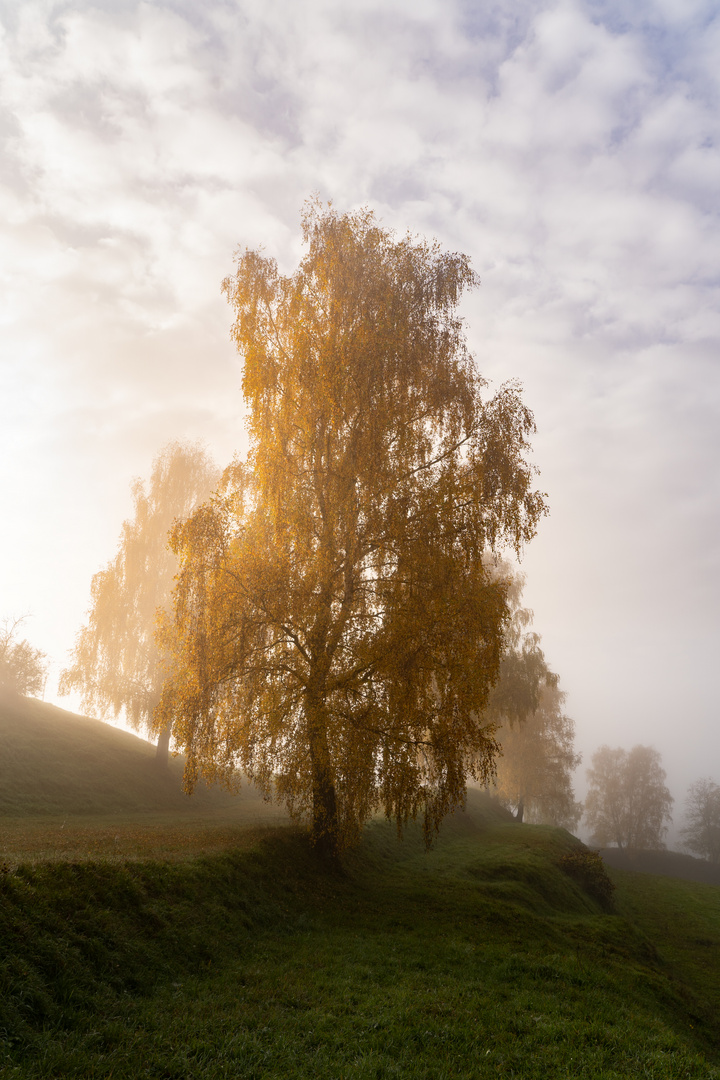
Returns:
(572, 150)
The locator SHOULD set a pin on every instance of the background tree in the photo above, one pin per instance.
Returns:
(628, 802)
(337, 630)
(523, 673)
(701, 832)
(534, 770)
(23, 669)
(116, 663)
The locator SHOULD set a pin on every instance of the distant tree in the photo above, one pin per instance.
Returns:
(628, 802)
(701, 832)
(116, 663)
(23, 669)
(534, 770)
(523, 673)
(337, 630)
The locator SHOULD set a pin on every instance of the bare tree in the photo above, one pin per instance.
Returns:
(701, 832)
(628, 802)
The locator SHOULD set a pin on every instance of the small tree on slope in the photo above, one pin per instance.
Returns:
(23, 669)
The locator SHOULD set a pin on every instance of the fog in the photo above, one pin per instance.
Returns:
(571, 149)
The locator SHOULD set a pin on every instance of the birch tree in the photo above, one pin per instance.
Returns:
(534, 773)
(117, 665)
(337, 629)
(534, 770)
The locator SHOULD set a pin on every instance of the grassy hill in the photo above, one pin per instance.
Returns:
(75, 788)
(214, 949)
(58, 763)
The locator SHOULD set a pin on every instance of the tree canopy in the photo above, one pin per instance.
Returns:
(524, 673)
(628, 802)
(116, 662)
(337, 626)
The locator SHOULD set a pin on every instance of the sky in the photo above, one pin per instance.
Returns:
(571, 149)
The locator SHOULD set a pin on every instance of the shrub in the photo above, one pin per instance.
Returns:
(588, 869)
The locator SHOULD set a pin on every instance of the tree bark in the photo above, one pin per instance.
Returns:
(325, 821)
(162, 749)
(325, 815)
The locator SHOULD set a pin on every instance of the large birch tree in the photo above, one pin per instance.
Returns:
(338, 625)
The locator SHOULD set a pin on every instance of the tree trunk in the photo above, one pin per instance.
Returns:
(325, 816)
(520, 810)
(325, 821)
(163, 746)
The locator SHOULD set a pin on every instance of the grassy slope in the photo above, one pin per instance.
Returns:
(74, 788)
(683, 918)
(56, 762)
(481, 959)
(60, 765)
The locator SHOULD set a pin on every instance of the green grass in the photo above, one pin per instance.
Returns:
(481, 959)
(682, 918)
(56, 763)
(170, 946)
(74, 789)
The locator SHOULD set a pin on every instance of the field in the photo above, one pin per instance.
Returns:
(200, 945)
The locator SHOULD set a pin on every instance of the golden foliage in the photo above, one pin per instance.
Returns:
(524, 672)
(337, 629)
